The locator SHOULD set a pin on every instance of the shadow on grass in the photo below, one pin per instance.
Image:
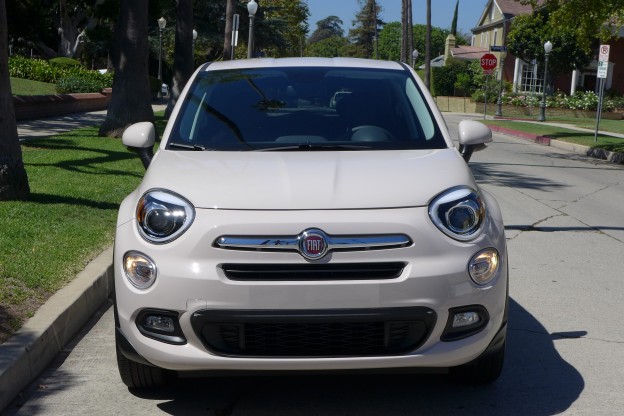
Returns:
(41, 198)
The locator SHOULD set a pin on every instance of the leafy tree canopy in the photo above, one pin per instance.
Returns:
(328, 47)
(529, 33)
(586, 19)
(365, 26)
(390, 41)
(329, 27)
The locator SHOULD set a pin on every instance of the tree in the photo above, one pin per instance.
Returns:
(326, 28)
(529, 33)
(183, 63)
(13, 177)
(366, 27)
(390, 41)
(131, 94)
(454, 22)
(328, 47)
(227, 42)
(428, 47)
(280, 27)
(587, 19)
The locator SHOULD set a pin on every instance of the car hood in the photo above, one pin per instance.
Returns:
(307, 179)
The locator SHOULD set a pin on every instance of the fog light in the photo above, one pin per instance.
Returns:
(483, 266)
(464, 319)
(139, 269)
(159, 323)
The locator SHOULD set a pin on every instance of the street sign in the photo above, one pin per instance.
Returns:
(603, 61)
(488, 63)
(495, 48)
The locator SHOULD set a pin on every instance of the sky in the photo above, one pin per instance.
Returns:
(441, 12)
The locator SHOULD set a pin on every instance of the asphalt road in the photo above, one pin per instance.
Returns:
(564, 217)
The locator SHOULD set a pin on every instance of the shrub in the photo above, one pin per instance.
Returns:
(445, 77)
(63, 62)
(33, 69)
(83, 81)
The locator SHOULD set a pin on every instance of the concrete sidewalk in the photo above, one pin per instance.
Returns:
(31, 129)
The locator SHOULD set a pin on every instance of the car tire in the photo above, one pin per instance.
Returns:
(140, 376)
(483, 370)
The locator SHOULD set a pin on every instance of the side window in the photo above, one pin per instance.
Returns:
(421, 110)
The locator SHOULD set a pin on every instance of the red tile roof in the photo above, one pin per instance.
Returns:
(514, 7)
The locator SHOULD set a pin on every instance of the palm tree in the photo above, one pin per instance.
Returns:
(183, 63)
(13, 178)
(428, 47)
(131, 93)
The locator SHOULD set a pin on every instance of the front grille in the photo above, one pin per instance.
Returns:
(310, 272)
(333, 333)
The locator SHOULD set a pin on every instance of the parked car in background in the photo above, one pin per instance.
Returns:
(308, 214)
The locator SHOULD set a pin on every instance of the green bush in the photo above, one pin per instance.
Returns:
(33, 69)
(445, 77)
(63, 62)
(83, 81)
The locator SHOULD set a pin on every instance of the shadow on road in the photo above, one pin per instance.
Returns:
(536, 381)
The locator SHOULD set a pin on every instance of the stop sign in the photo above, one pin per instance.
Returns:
(488, 62)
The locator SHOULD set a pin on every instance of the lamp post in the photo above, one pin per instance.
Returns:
(503, 55)
(547, 49)
(161, 26)
(252, 8)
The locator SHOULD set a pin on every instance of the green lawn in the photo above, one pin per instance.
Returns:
(77, 181)
(613, 144)
(614, 126)
(21, 86)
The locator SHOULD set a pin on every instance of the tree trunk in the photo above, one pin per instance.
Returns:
(183, 62)
(130, 102)
(13, 178)
(227, 42)
(404, 35)
(428, 48)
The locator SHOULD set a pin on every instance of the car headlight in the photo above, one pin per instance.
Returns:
(458, 213)
(163, 216)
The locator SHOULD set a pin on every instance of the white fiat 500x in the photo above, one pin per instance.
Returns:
(308, 214)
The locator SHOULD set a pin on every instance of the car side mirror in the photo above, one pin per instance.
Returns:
(472, 137)
(140, 138)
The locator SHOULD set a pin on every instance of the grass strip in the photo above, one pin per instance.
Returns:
(609, 143)
(77, 181)
(21, 86)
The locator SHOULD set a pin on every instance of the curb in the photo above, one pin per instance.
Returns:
(27, 353)
(613, 157)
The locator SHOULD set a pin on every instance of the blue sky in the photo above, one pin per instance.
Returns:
(441, 12)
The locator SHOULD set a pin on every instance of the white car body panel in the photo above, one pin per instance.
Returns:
(284, 193)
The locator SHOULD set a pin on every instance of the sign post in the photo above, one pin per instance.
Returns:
(488, 62)
(603, 69)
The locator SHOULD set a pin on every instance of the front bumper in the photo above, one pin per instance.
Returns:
(192, 284)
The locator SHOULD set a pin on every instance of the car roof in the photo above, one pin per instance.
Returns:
(303, 62)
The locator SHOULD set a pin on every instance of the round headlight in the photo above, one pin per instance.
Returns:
(459, 213)
(139, 269)
(483, 266)
(163, 216)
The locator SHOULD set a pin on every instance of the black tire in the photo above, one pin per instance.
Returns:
(140, 376)
(483, 370)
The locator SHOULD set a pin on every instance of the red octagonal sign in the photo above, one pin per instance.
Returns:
(488, 62)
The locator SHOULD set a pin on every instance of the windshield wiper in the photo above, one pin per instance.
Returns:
(312, 147)
(198, 147)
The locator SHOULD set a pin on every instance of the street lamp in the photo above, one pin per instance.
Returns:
(414, 57)
(547, 49)
(252, 8)
(161, 26)
(194, 37)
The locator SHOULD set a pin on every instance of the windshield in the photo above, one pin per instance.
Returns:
(304, 108)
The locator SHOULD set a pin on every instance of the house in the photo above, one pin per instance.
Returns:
(491, 30)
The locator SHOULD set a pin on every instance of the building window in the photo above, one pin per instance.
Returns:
(495, 37)
(472, 41)
(532, 80)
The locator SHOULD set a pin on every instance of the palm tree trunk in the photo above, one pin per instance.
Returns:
(183, 62)
(13, 178)
(428, 47)
(227, 43)
(130, 102)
